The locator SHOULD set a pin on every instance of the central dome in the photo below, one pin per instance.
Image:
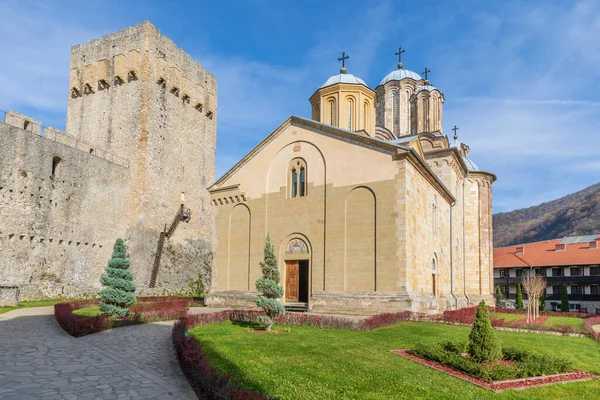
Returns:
(400, 74)
(343, 78)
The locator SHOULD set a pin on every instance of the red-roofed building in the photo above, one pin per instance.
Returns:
(571, 261)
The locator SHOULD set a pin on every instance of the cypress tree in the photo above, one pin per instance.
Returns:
(564, 299)
(498, 297)
(519, 301)
(483, 343)
(118, 293)
(542, 302)
(268, 287)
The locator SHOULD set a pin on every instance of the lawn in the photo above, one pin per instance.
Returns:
(552, 320)
(312, 363)
(88, 312)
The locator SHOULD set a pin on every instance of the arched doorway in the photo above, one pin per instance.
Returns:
(297, 270)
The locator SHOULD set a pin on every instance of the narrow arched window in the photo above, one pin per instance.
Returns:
(365, 116)
(56, 165)
(298, 178)
(294, 182)
(395, 111)
(331, 110)
(349, 115)
(406, 111)
(302, 183)
(425, 115)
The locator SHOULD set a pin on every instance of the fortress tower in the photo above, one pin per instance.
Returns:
(139, 143)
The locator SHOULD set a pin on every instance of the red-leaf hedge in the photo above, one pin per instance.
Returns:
(588, 323)
(148, 309)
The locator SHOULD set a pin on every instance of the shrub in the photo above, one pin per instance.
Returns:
(498, 297)
(268, 287)
(589, 323)
(118, 293)
(542, 302)
(519, 300)
(564, 299)
(483, 343)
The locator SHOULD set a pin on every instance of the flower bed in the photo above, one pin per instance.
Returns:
(467, 315)
(543, 313)
(165, 309)
(589, 323)
(515, 363)
(499, 386)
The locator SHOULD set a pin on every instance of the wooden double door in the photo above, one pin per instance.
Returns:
(296, 281)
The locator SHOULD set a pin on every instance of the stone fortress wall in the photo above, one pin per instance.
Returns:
(140, 141)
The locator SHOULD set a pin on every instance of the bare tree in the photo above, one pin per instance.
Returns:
(535, 287)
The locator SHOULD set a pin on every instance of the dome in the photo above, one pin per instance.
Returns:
(429, 88)
(471, 166)
(343, 78)
(399, 74)
(455, 144)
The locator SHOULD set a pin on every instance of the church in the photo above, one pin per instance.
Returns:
(369, 206)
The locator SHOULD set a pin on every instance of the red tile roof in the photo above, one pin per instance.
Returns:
(543, 254)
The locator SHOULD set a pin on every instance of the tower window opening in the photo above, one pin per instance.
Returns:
(297, 178)
(26, 124)
(302, 182)
(350, 115)
(56, 165)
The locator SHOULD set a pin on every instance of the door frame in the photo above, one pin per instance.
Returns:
(283, 257)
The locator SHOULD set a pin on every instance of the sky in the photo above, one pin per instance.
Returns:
(520, 78)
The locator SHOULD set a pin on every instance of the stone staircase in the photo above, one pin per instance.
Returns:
(296, 307)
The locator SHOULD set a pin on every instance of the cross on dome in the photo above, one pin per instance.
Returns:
(343, 58)
(399, 54)
(455, 129)
(427, 71)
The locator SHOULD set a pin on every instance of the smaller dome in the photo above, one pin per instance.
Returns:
(428, 88)
(456, 144)
(471, 166)
(399, 74)
(343, 78)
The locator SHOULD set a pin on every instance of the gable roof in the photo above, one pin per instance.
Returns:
(394, 149)
(544, 254)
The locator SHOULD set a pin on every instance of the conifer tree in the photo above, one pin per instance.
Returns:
(498, 297)
(268, 287)
(542, 302)
(564, 299)
(483, 343)
(118, 293)
(519, 301)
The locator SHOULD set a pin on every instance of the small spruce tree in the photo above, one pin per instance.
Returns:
(483, 343)
(118, 293)
(519, 301)
(268, 287)
(498, 297)
(564, 299)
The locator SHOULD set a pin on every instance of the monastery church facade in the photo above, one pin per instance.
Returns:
(369, 206)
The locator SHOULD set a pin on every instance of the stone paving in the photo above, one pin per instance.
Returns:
(39, 360)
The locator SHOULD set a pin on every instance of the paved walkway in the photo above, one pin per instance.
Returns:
(39, 360)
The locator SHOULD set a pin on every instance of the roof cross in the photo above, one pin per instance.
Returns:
(427, 71)
(399, 54)
(343, 58)
(455, 129)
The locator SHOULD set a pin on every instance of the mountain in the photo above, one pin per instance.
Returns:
(574, 214)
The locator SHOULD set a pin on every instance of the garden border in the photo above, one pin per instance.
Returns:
(163, 309)
(499, 386)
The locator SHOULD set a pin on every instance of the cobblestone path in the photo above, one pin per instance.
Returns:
(39, 360)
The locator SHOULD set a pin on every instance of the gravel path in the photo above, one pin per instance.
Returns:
(39, 360)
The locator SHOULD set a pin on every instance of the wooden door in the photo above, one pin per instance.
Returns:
(291, 281)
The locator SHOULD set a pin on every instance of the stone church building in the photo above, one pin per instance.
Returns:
(369, 206)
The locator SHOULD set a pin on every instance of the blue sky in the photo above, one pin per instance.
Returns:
(520, 79)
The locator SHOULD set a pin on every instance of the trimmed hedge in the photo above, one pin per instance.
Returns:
(165, 309)
(516, 363)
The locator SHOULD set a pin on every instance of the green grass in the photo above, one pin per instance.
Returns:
(312, 363)
(88, 312)
(552, 320)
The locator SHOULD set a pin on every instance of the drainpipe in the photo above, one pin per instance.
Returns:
(452, 265)
(464, 246)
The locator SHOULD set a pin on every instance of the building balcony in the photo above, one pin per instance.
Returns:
(552, 280)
